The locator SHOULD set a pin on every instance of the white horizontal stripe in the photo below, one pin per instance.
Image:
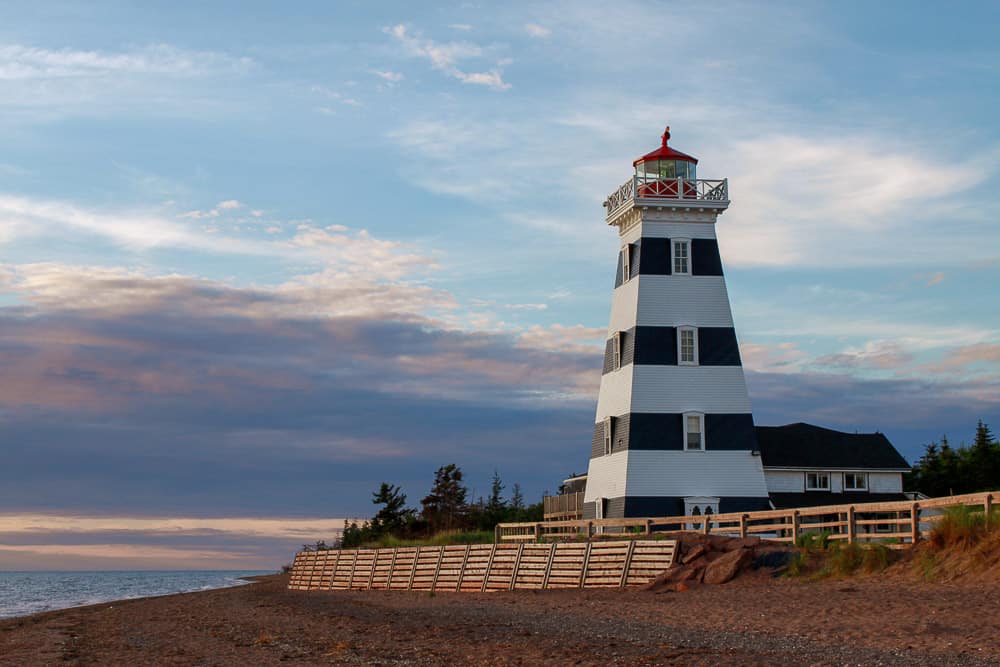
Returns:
(616, 389)
(673, 389)
(623, 306)
(606, 477)
(673, 473)
(671, 230)
(670, 301)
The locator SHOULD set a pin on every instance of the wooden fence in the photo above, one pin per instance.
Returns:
(484, 567)
(903, 522)
(563, 506)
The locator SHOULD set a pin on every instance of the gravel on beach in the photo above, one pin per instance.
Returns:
(756, 621)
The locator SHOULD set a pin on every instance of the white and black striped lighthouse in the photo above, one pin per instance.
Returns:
(674, 432)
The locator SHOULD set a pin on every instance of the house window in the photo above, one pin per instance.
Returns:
(607, 435)
(626, 263)
(687, 346)
(681, 250)
(616, 350)
(855, 481)
(817, 481)
(694, 431)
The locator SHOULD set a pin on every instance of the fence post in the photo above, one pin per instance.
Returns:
(706, 525)
(496, 534)
(649, 527)
(988, 506)
(915, 523)
(743, 526)
(851, 526)
(538, 532)
(795, 526)
(590, 530)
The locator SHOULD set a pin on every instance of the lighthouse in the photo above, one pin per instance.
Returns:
(674, 433)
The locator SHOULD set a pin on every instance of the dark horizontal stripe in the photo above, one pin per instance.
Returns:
(653, 506)
(657, 346)
(653, 257)
(634, 258)
(665, 432)
(619, 436)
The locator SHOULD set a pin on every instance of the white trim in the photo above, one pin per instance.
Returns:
(626, 263)
(680, 346)
(700, 416)
(701, 503)
(608, 441)
(687, 256)
(817, 487)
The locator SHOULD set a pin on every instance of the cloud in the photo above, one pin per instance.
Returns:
(536, 30)
(19, 62)
(445, 56)
(392, 77)
(935, 279)
(881, 354)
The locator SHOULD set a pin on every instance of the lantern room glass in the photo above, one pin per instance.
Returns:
(660, 170)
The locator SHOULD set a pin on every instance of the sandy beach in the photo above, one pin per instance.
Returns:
(754, 621)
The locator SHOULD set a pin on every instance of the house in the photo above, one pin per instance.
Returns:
(807, 466)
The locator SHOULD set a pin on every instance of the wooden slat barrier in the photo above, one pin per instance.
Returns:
(906, 521)
(485, 567)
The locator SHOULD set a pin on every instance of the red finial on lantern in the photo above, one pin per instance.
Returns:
(666, 135)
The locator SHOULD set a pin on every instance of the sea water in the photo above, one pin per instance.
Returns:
(23, 593)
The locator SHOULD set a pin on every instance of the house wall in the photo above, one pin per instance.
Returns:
(794, 481)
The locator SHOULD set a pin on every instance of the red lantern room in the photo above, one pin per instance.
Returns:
(665, 172)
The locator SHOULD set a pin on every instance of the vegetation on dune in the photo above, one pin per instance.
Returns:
(445, 516)
(964, 541)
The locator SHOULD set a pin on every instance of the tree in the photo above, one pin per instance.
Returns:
(394, 515)
(445, 506)
(516, 498)
(944, 470)
(496, 502)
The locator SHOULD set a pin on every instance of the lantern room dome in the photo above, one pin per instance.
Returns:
(664, 164)
(665, 152)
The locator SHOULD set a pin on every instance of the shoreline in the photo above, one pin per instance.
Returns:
(234, 582)
(760, 621)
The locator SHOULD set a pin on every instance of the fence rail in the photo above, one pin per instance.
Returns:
(904, 521)
(484, 567)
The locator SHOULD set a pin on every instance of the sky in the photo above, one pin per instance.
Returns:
(257, 258)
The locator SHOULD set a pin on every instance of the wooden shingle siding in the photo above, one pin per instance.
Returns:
(484, 567)
(719, 389)
(668, 301)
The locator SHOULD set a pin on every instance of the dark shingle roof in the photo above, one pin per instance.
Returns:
(783, 501)
(807, 446)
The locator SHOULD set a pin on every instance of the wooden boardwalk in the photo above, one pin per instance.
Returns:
(485, 567)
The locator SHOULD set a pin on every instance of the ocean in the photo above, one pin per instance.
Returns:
(23, 593)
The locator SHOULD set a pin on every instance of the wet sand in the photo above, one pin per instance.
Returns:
(752, 621)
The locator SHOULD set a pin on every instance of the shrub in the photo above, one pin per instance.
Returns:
(963, 526)
(844, 559)
(876, 557)
(812, 540)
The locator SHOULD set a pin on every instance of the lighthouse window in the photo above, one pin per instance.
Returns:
(687, 346)
(682, 256)
(626, 264)
(616, 347)
(694, 432)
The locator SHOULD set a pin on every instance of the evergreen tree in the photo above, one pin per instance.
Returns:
(394, 515)
(516, 498)
(944, 470)
(445, 506)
